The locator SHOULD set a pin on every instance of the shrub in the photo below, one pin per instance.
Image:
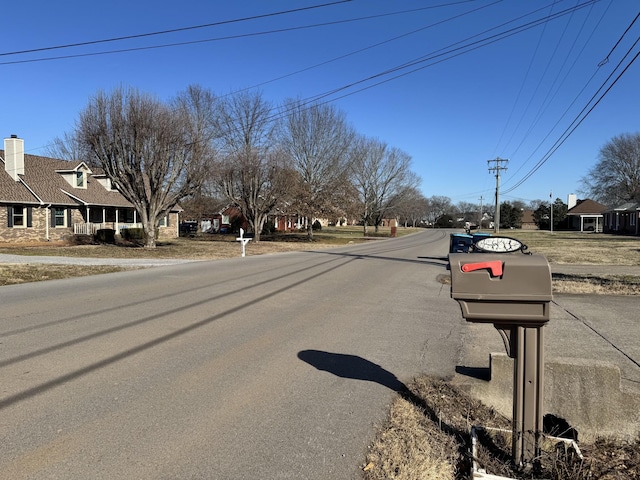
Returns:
(105, 235)
(132, 233)
(268, 228)
(317, 226)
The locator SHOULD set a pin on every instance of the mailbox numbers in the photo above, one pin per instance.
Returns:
(499, 244)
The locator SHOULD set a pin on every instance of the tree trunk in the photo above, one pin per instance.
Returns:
(309, 231)
(149, 234)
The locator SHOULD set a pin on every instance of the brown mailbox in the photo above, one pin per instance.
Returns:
(501, 288)
(512, 291)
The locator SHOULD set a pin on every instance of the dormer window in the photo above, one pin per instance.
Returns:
(76, 177)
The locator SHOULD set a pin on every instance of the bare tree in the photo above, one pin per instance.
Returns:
(438, 206)
(155, 153)
(253, 172)
(468, 211)
(380, 175)
(69, 148)
(615, 178)
(317, 139)
(412, 207)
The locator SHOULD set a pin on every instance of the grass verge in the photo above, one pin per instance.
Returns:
(427, 437)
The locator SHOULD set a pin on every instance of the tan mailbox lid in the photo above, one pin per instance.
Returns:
(520, 290)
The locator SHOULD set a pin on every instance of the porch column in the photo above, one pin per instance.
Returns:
(88, 220)
(117, 229)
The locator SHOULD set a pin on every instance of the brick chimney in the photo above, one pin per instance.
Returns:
(14, 156)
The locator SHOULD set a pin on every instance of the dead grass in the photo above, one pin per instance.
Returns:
(589, 284)
(427, 437)
(12, 274)
(580, 248)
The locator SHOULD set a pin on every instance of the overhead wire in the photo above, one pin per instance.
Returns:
(543, 108)
(549, 97)
(435, 57)
(173, 30)
(522, 84)
(375, 45)
(207, 40)
(586, 110)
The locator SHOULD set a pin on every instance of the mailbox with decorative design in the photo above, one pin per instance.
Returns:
(501, 288)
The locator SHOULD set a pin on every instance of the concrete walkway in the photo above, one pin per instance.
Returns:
(121, 262)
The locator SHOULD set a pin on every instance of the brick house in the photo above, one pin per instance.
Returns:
(585, 215)
(623, 219)
(45, 199)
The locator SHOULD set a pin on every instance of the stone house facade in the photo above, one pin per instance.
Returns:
(45, 199)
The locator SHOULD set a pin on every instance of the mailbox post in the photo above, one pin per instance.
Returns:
(512, 291)
(243, 240)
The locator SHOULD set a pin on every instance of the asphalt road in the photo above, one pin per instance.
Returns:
(269, 367)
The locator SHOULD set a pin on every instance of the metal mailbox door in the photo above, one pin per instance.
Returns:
(501, 287)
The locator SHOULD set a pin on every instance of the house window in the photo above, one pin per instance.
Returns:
(164, 222)
(60, 217)
(80, 179)
(19, 217)
(127, 216)
(632, 220)
(110, 215)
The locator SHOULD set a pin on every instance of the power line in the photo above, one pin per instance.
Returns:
(174, 30)
(446, 52)
(582, 115)
(207, 40)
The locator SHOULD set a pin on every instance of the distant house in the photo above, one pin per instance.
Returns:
(623, 219)
(585, 215)
(45, 199)
(528, 222)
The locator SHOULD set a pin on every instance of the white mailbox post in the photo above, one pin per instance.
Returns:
(243, 241)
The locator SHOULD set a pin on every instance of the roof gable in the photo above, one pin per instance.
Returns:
(587, 207)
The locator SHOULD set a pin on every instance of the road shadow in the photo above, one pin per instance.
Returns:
(352, 366)
(358, 368)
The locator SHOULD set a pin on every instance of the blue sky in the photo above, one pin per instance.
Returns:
(488, 83)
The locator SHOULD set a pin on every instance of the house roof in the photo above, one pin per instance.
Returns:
(587, 207)
(626, 207)
(527, 216)
(43, 182)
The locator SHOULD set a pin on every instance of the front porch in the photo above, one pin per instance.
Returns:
(90, 228)
(99, 218)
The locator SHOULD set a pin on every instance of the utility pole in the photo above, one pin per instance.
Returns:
(480, 222)
(551, 208)
(497, 169)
